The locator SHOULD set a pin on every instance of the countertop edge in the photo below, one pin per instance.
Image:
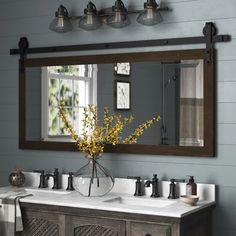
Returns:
(192, 209)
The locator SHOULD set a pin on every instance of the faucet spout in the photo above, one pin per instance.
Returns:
(154, 183)
(148, 183)
(55, 176)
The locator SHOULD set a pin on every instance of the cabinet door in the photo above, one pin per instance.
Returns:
(148, 229)
(89, 226)
(42, 224)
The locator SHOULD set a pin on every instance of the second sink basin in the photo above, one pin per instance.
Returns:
(132, 201)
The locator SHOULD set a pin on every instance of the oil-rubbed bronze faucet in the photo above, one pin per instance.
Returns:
(56, 181)
(154, 183)
(43, 178)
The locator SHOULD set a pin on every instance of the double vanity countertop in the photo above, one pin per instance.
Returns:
(120, 200)
(120, 203)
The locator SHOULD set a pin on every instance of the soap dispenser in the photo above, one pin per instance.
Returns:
(191, 187)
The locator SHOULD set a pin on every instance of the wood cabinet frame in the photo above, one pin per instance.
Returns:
(198, 223)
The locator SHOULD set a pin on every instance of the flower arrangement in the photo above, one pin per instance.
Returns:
(94, 137)
(92, 141)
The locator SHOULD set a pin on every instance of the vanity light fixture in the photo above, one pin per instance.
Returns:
(90, 21)
(119, 17)
(150, 15)
(116, 17)
(61, 23)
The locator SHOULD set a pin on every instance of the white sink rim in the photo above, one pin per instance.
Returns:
(140, 202)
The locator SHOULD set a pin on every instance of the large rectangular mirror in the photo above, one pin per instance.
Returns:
(178, 85)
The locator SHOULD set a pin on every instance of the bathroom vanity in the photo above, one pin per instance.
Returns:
(62, 213)
(49, 220)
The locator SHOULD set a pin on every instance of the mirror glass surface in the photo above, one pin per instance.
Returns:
(177, 85)
(174, 89)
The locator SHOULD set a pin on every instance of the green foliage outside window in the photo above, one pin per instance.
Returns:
(66, 90)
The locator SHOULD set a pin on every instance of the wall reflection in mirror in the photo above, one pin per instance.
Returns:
(173, 89)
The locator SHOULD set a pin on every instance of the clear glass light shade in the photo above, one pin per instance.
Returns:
(149, 17)
(118, 20)
(89, 22)
(60, 24)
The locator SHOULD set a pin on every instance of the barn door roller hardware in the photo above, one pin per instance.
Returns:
(209, 38)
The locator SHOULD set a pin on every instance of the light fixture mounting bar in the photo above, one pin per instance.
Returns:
(107, 11)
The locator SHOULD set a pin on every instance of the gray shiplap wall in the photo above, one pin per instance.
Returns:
(31, 18)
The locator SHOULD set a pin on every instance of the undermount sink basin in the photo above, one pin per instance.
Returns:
(133, 201)
(43, 190)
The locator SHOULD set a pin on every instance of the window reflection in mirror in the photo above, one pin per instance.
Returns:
(173, 89)
(191, 130)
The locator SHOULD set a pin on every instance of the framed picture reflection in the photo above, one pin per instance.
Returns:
(122, 95)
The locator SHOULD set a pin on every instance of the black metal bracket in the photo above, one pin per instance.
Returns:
(23, 46)
(209, 38)
(209, 31)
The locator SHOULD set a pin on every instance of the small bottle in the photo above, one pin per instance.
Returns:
(191, 187)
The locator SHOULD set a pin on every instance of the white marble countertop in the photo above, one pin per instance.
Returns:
(141, 205)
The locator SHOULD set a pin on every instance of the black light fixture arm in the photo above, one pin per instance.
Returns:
(107, 11)
(209, 38)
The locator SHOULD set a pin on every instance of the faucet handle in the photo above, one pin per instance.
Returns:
(70, 182)
(138, 187)
(154, 178)
(173, 194)
(43, 178)
(56, 170)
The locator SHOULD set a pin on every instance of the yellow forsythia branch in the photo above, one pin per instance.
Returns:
(94, 137)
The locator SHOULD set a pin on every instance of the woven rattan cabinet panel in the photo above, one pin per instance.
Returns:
(42, 224)
(92, 226)
(93, 230)
(35, 227)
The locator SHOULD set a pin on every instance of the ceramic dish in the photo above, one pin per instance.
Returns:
(190, 200)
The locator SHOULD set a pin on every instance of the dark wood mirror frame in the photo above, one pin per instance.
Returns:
(209, 101)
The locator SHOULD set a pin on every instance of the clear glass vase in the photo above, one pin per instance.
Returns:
(93, 179)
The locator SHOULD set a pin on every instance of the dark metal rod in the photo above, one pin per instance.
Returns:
(108, 11)
(138, 11)
(127, 44)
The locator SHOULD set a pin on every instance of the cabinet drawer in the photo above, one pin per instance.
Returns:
(148, 229)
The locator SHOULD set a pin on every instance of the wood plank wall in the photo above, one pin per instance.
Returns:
(31, 18)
